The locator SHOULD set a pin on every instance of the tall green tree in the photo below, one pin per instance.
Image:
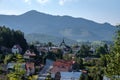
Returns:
(113, 59)
(102, 50)
(84, 51)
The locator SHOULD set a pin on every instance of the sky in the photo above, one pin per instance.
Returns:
(100, 11)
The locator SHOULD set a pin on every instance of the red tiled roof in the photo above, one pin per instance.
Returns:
(61, 65)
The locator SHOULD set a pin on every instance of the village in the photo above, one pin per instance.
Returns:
(21, 60)
(59, 39)
(45, 62)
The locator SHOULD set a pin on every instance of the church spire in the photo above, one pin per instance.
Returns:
(63, 43)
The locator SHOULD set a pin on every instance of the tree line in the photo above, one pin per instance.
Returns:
(10, 37)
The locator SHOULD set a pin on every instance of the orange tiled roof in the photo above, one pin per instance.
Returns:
(61, 65)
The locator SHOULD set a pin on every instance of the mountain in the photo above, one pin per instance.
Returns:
(61, 26)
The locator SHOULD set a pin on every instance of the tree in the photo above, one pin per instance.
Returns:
(50, 44)
(103, 61)
(84, 51)
(17, 74)
(84, 77)
(51, 56)
(112, 69)
(7, 58)
(96, 73)
(9, 37)
(80, 62)
(106, 48)
(48, 77)
(18, 71)
(58, 54)
(67, 57)
(102, 50)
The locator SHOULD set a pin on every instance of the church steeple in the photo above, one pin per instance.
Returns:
(65, 48)
(63, 43)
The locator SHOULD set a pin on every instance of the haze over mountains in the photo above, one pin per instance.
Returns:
(59, 26)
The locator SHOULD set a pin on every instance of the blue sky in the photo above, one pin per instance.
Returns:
(97, 10)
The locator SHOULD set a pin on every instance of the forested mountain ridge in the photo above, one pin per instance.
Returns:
(62, 26)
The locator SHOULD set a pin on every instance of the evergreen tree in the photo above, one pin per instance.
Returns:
(84, 51)
(113, 59)
(9, 37)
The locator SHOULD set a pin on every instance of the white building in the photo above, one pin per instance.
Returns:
(16, 49)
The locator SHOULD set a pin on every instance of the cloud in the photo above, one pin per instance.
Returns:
(27, 1)
(38, 1)
(42, 1)
(9, 12)
(62, 2)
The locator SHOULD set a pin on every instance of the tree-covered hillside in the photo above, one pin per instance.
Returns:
(9, 37)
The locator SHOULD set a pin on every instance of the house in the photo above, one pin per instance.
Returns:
(66, 75)
(30, 68)
(107, 78)
(54, 49)
(11, 65)
(29, 54)
(16, 49)
(30, 64)
(70, 75)
(61, 66)
(43, 49)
